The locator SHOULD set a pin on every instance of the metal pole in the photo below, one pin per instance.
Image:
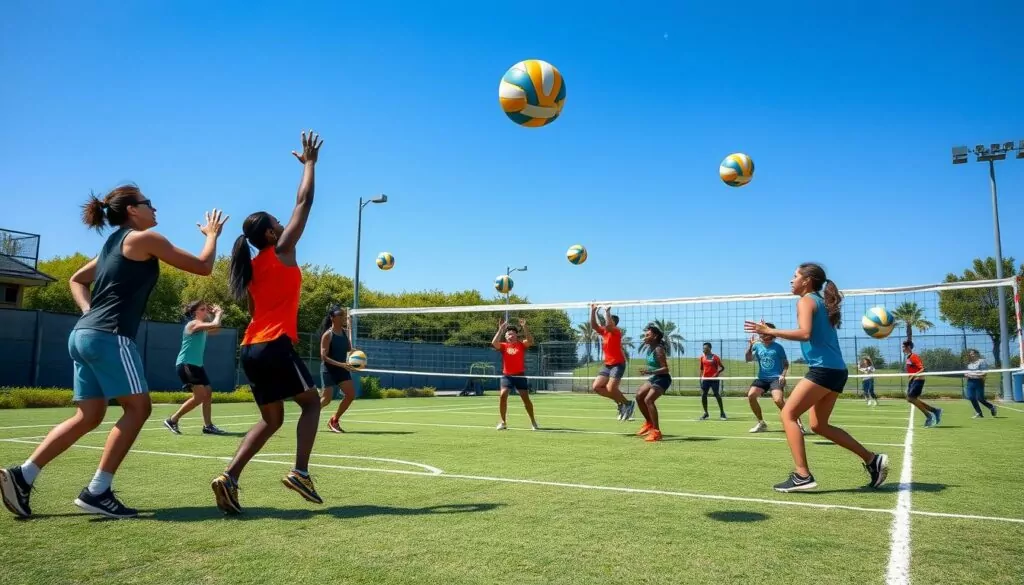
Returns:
(1004, 334)
(355, 289)
(508, 273)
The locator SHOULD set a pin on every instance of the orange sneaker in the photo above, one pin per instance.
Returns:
(646, 428)
(654, 435)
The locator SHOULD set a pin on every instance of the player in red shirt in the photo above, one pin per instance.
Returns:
(608, 379)
(915, 387)
(710, 368)
(513, 367)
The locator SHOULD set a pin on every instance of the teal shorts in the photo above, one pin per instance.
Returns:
(107, 365)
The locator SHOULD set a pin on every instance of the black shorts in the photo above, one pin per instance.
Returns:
(766, 384)
(831, 378)
(915, 388)
(613, 371)
(275, 372)
(517, 381)
(660, 381)
(712, 385)
(192, 375)
(334, 376)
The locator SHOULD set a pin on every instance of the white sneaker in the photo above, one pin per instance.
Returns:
(535, 426)
(801, 425)
(501, 426)
(760, 427)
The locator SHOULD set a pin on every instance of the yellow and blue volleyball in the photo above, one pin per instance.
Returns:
(577, 254)
(357, 360)
(503, 284)
(532, 93)
(736, 170)
(385, 261)
(878, 322)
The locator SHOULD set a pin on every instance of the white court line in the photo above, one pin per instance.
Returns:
(1009, 408)
(898, 571)
(484, 478)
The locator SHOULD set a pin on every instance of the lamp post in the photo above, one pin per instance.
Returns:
(382, 198)
(508, 272)
(990, 155)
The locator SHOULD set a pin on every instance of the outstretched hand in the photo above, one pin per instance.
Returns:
(213, 223)
(311, 144)
(758, 327)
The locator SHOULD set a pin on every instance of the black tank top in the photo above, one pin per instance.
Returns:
(338, 350)
(121, 289)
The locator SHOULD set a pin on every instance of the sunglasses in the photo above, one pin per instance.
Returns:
(147, 202)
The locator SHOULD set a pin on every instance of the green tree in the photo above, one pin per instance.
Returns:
(978, 308)
(912, 317)
(941, 359)
(587, 337)
(56, 296)
(875, 355)
(675, 340)
(11, 245)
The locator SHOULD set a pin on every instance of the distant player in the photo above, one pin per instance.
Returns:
(608, 379)
(659, 382)
(335, 373)
(915, 386)
(202, 319)
(710, 368)
(772, 367)
(513, 368)
(867, 367)
(976, 383)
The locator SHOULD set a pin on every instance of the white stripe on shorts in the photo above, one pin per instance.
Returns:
(124, 345)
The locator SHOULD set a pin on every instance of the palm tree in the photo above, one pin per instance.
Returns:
(913, 317)
(627, 343)
(675, 340)
(587, 336)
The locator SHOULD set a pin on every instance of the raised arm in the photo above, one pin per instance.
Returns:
(211, 326)
(311, 144)
(593, 320)
(804, 314)
(609, 324)
(150, 243)
(749, 355)
(79, 284)
(527, 336)
(499, 335)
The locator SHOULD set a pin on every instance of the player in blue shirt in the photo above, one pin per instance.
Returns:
(772, 366)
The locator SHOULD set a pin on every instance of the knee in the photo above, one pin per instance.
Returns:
(649, 399)
(92, 419)
(819, 427)
(781, 403)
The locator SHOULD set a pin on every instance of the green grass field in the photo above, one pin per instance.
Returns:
(426, 491)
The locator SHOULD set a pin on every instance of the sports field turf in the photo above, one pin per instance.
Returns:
(426, 491)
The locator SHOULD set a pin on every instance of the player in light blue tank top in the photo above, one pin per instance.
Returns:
(657, 384)
(818, 316)
(202, 318)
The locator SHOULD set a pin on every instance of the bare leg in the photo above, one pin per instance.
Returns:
(503, 402)
(820, 414)
(752, 395)
(641, 401)
(348, 391)
(525, 395)
(650, 398)
(272, 417)
(89, 416)
(305, 429)
(137, 408)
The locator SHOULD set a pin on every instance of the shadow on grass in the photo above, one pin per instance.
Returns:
(737, 516)
(203, 513)
(375, 432)
(689, 439)
(889, 488)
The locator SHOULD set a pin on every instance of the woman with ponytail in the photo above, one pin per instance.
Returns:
(818, 316)
(658, 383)
(112, 290)
(201, 319)
(335, 373)
(271, 283)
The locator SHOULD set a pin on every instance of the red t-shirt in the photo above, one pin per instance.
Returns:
(709, 367)
(612, 343)
(914, 364)
(513, 358)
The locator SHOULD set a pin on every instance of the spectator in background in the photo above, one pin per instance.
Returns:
(976, 383)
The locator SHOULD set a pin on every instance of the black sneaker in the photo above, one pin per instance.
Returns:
(878, 469)
(796, 483)
(15, 491)
(212, 430)
(225, 490)
(172, 426)
(105, 504)
(704, 416)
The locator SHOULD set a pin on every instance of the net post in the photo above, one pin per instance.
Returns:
(1020, 332)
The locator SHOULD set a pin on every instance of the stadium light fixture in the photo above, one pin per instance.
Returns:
(990, 155)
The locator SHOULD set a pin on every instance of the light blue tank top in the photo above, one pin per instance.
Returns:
(193, 348)
(822, 349)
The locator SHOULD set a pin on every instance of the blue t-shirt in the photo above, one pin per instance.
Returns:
(770, 359)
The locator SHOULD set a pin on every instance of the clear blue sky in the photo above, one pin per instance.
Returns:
(849, 115)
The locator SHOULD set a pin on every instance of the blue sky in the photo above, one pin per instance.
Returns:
(848, 113)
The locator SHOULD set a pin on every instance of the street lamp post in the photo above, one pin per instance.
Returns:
(990, 155)
(508, 272)
(382, 198)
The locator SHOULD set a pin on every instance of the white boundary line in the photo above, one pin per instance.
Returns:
(898, 571)
(1001, 406)
(582, 486)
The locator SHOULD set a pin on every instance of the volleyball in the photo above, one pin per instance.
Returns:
(736, 170)
(532, 93)
(357, 360)
(503, 284)
(878, 322)
(385, 261)
(577, 254)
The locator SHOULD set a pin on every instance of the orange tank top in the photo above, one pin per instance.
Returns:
(275, 290)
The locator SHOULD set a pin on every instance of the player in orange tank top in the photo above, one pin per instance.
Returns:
(271, 283)
(610, 377)
(513, 368)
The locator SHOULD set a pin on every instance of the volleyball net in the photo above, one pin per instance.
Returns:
(449, 347)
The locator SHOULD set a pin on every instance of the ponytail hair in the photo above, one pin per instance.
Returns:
(331, 310)
(112, 209)
(254, 231)
(190, 309)
(828, 289)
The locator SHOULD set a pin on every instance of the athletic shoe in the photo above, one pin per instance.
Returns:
(534, 426)
(654, 435)
(622, 411)
(878, 469)
(172, 426)
(938, 416)
(644, 429)
(302, 484)
(795, 483)
(16, 491)
(800, 424)
(629, 410)
(105, 504)
(212, 430)
(226, 491)
(723, 417)
(977, 416)
(928, 420)
(704, 416)
(760, 427)
(333, 426)
(993, 409)
(501, 426)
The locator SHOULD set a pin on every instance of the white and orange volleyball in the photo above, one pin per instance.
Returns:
(532, 93)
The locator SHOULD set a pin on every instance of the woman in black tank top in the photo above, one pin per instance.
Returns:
(112, 290)
(335, 345)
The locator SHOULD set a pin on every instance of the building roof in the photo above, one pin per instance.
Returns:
(11, 269)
